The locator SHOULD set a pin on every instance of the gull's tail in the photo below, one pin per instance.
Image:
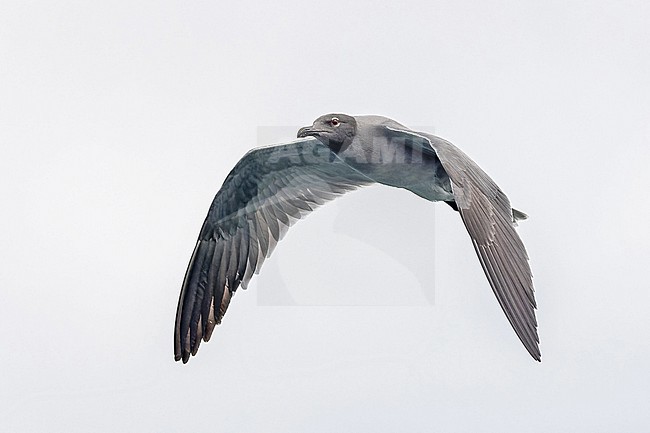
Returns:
(518, 215)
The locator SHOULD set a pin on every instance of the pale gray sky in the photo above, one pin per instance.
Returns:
(119, 121)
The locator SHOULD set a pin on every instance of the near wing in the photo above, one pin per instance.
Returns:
(269, 189)
(488, 217)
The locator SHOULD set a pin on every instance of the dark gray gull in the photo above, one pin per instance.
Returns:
(272, 187)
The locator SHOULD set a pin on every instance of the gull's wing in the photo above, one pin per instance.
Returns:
(488, 217)
(268, 190)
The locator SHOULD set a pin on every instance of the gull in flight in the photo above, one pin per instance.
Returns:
(272, 187)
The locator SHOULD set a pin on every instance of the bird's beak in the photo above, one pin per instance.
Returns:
(309, 130)
(304, 132)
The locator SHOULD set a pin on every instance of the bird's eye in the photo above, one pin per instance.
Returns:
(335, 121)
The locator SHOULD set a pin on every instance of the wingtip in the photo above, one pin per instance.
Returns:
(536, 354)
(185, 356)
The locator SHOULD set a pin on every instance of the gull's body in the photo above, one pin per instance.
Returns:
(272, 187)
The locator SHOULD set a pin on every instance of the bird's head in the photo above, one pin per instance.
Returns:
(336, 131)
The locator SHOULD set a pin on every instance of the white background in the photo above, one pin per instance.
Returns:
(119, 120)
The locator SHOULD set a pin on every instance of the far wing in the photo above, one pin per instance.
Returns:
(268, 190)
(488, 217)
